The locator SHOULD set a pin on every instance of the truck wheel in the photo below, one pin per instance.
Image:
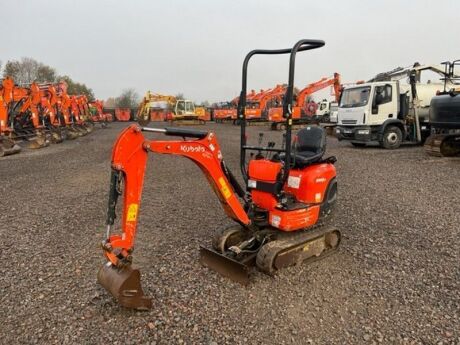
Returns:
(392, 138)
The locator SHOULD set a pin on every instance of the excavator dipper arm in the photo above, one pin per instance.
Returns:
(129, 158)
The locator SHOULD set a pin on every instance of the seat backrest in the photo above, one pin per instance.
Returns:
(311, 139)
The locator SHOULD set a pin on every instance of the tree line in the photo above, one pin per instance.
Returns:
(28, 70)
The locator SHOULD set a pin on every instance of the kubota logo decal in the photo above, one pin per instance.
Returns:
(190, 148)
(224, 188)
(132, 213)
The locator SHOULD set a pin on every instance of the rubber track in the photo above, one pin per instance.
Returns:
(268, 253)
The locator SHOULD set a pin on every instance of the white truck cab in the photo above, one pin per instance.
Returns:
(388, 111)
(325, 109)
(377, 112)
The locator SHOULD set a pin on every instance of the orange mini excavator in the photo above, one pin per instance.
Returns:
(288, 191)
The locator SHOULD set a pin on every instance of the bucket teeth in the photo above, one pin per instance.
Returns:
(125, 286)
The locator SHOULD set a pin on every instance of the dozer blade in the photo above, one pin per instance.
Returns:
(8, 147)
(224, 265)
(125, 285)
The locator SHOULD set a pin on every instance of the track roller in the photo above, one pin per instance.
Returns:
(228, 237)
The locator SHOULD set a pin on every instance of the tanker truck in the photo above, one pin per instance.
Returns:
(387, 111)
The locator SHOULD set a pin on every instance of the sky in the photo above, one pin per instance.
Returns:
(197, 47)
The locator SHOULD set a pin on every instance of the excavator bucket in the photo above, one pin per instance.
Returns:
(56, 136)
(8, 147)
(125, 285)
(80, 130)
(226, 266)
(89, 127)
(39, 142)
(70, 134)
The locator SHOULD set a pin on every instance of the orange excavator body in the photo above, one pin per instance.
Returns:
(48, 103)
(256, 108)
(287, 190)
(129, 159)
(99, 115)
(300, 108)
(6, 96)
(7, 146)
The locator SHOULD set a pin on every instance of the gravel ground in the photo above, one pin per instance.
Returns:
(395, 280)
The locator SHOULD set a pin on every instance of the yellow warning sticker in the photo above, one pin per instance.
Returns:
(224, 188)
(132, 213)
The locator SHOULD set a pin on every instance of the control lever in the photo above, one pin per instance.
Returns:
(261, 136)
(271, 144)
(295, 149)
(259, 154)
(283, 142)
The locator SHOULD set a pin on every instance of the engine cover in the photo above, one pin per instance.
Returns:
(309, 185)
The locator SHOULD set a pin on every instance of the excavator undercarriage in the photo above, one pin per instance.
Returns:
(443, 145)
(445, 117)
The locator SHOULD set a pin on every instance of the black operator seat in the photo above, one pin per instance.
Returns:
(309, 147)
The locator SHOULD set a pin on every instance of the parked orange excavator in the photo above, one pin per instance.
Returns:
(28, 123)
(80, 115)
(38, 114)
(257, 105)
(97, 113)
(47, 109)
(223, 112)
(226, 111)
(64, 111)
(288, 191)
(7, 144)
(300, 114)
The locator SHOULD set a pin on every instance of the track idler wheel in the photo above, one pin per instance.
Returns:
(8, 147)
(125, 286)
(228, 237)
